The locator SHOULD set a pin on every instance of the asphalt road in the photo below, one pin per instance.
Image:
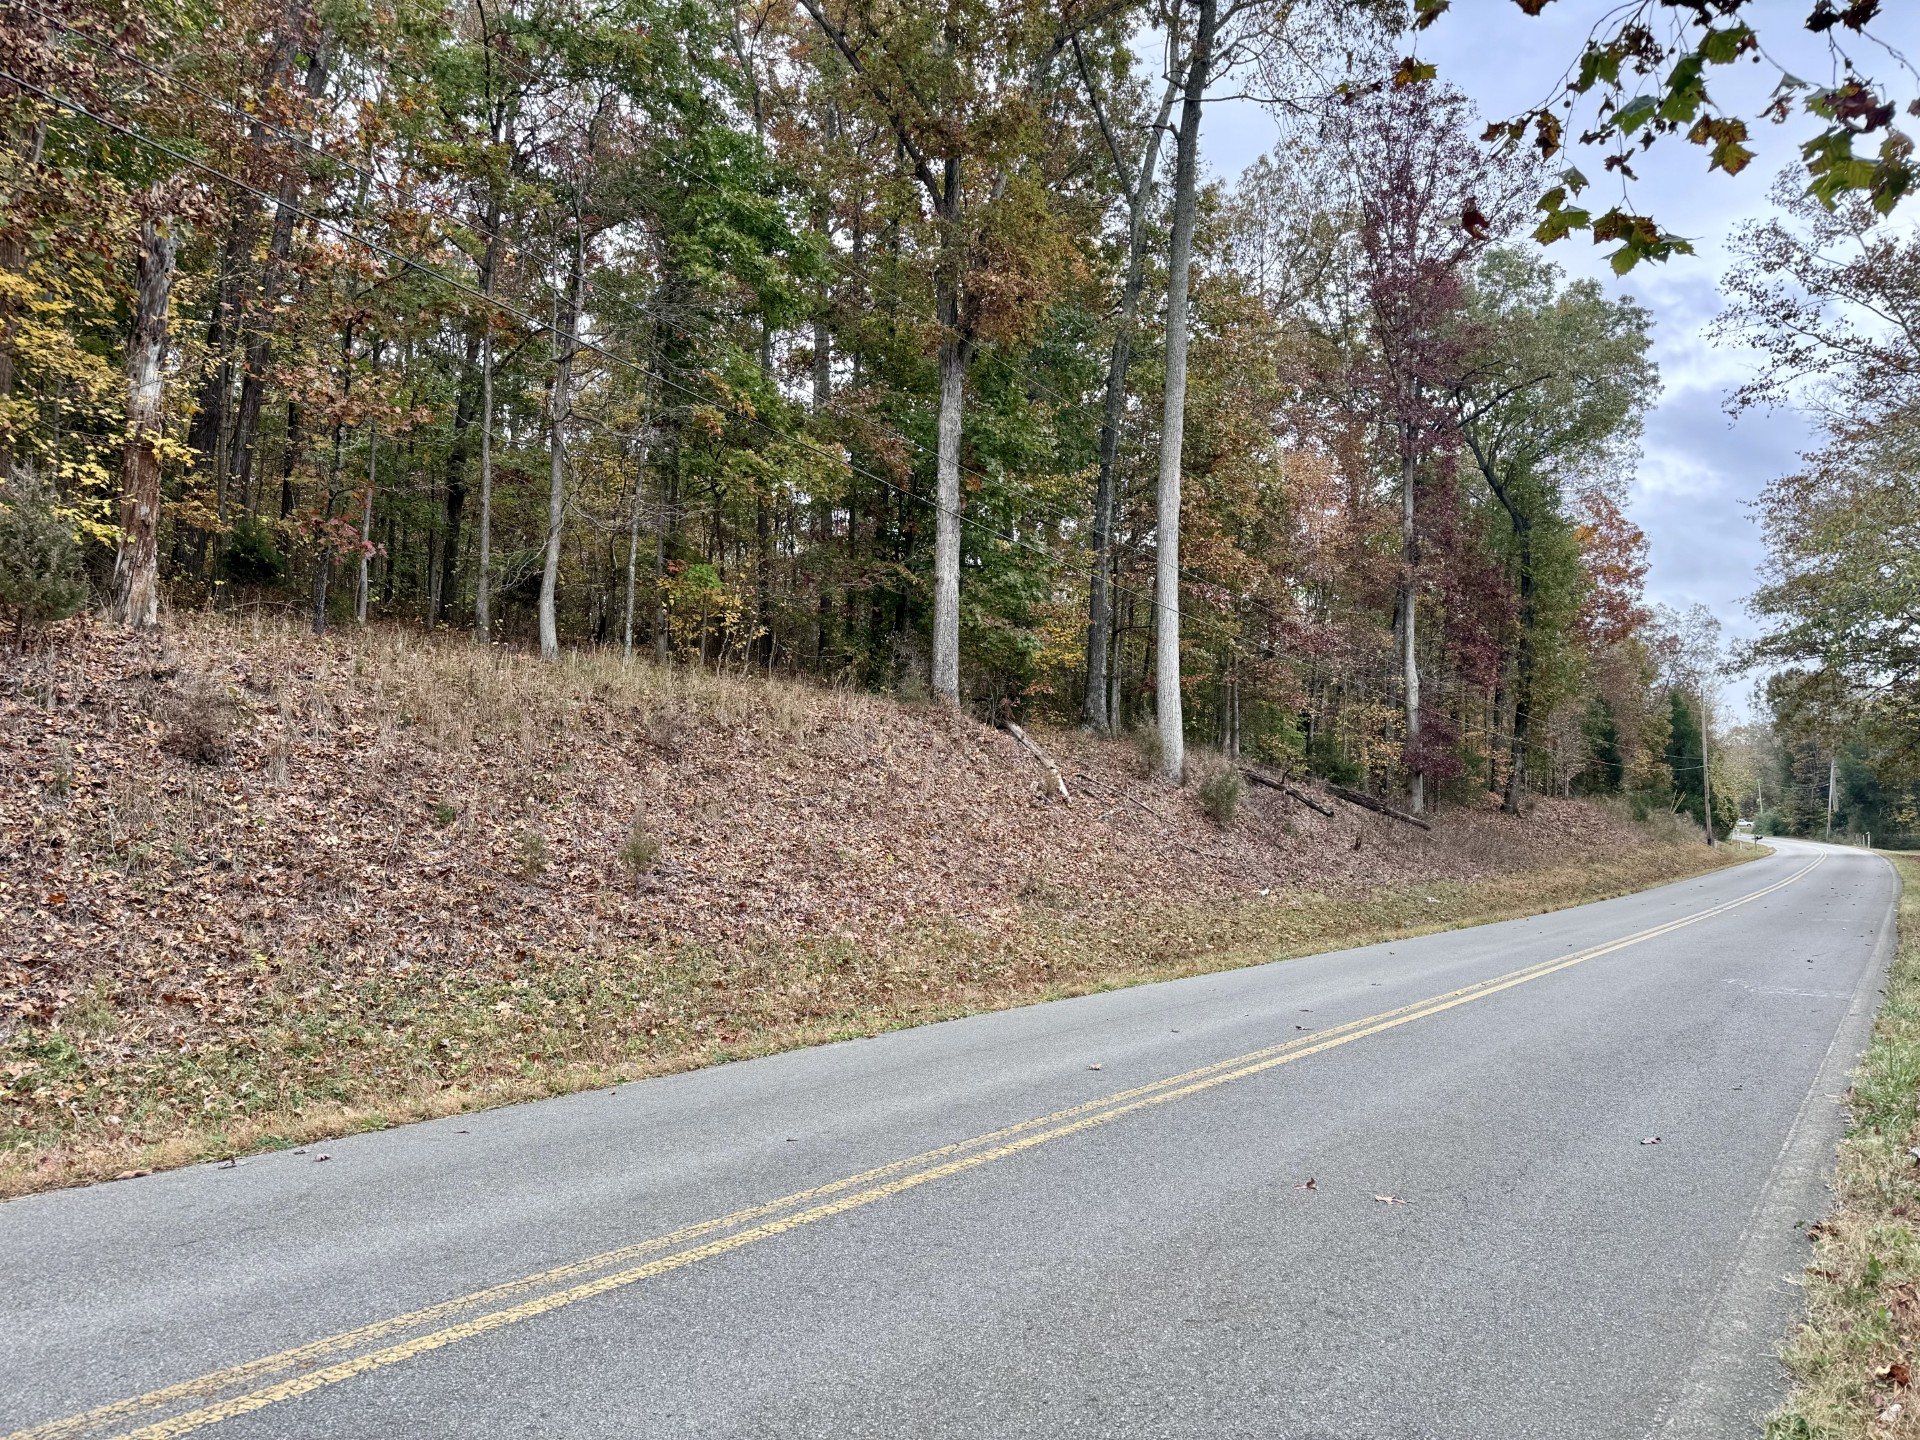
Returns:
(1101, 1222)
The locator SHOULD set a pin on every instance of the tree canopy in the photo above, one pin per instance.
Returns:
(833, 339)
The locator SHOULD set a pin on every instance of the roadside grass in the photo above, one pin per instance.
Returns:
(322, 1053)
(1855, 1360)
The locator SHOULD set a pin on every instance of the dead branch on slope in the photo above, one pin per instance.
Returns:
(1028, 744)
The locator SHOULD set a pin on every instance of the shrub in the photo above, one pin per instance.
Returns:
(1219, 795)
(1281, 748)
(531, 854)
(1325, 760)
(40, 577)
(250, 556)
(200, 726)
(1668, 827)
(642, 850)
(1146, 744)
(444, 815)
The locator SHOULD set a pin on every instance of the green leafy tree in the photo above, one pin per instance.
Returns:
(1549, 403)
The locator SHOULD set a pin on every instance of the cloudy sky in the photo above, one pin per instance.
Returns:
(1701, 467)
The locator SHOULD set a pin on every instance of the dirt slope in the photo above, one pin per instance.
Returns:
(232, 791)
(247, 873)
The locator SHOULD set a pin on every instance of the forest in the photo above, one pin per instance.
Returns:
(913, 349)
(1832, 298)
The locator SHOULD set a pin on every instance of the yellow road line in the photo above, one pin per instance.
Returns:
(315, 1350)
(948, 1160)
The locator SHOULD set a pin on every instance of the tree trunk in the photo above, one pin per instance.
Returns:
(822, 508)
(207, 434)
(1522, 670)
(1493, 721)
(1379, 807)
(761, 646)
(954, 351)
(253, 373)
(456, 500)
(136, 566)
(1409, 607)
(1094, 711)
(559, 407)
(289, 458)
(210, 435)
(483, 540)
(366, 525)
(633, 570)
(662, 638)
(633, 542)
(483, 574)
(322, 576)
(1169, 717)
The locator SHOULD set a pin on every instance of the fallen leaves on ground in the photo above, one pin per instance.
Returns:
(412, 864)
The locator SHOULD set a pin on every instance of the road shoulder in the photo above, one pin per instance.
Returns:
(1854, 1359)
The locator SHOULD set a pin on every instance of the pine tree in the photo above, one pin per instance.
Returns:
(40, 577)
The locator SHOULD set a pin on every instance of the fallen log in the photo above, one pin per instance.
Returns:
(1308, 801)
(1285, 789)
(1379, 807)
(1046, 760)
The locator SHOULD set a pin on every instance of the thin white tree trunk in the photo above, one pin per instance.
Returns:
(946, 540)
(559, 407)
(1095, 711)
(633, 544)
(483, 581)
(366, 525)
(1166, 575)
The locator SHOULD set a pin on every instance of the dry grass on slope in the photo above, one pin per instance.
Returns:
(260, 888)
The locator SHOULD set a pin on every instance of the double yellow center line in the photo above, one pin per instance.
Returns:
(335, 1358)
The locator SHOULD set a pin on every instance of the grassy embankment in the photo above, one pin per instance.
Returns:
(1855, 1360)
(269, 890)
(316, 1062)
